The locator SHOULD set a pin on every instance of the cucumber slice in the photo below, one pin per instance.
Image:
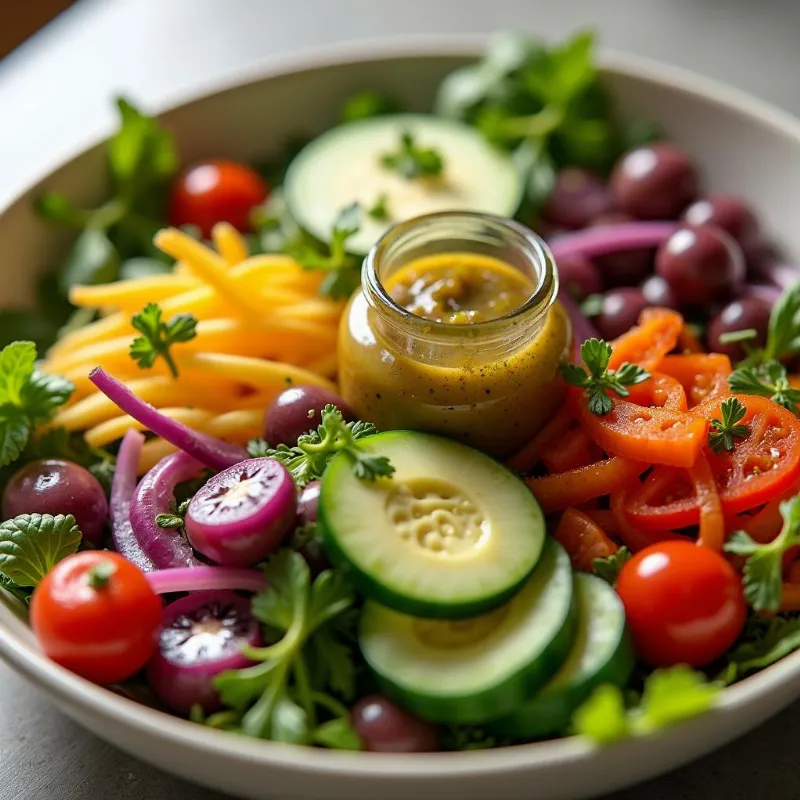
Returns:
(451, 534)
(343, 166)
(471, 671)
(602, 653)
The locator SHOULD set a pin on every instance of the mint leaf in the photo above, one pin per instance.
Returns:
(32, 544)
(15, 428)
(43, 394)
(16, 367)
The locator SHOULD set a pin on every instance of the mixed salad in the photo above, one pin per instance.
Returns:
(195, 518)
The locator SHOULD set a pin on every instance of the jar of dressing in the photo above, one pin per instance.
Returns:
(456, 331)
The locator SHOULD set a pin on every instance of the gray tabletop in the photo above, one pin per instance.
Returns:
(54, 97)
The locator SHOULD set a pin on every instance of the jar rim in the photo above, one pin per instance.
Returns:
(541, 298)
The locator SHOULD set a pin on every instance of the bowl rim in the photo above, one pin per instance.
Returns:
(71, 689)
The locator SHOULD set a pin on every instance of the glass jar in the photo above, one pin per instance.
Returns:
(490, 384)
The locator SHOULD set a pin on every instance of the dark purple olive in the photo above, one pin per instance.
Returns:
(701, 264)
(243, 513)
(386, 728)
(579, 277)
(657, 292)
(577, 197)
(627, 267)
(620, 311)
(297, 410)
(747, 313)
(655, 181)
(201, 635)
(731, 214)
(53, 486)
(308, 503)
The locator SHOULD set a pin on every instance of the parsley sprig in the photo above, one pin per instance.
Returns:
(413, 161)
(295, 691)
(766, 380)
(27, 398)
(598, 379)
(762, 573)
(670, 695)
(158, 336)
(609, 568)
(725, 431)
(308, 459)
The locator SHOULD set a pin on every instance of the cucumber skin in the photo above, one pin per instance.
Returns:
(502, 699)
(373, 589)
(550, 713)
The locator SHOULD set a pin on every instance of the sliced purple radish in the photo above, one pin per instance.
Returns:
(243, 513)
(201, 635)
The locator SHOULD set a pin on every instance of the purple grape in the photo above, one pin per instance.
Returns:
(386, 728)
(297, 410)
(621, 309)
(655, 181)
(744, 314)
(201, 635)
(626, 267)
(657, 292)
(308, 503)
(576, 198)
(53, 486)
(731, 214)
(243, 513)
(579, 277)
(701, 264)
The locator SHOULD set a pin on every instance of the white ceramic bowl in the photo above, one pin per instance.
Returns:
(742, 145)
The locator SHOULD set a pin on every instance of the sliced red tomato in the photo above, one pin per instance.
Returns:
(702, 375)
(653, 435)
(649, 341)
(661, 391)
(665, 501)
(583, 539)
(635, 537)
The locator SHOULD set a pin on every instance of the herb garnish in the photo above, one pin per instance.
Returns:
(413, 161)
(725, 431)
(766, 380)
(158, 336)
(379, 209)
(308, 459)
(598, 379)
(609, 568)
(762, 573)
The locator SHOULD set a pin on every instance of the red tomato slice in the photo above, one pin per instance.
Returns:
(661, 391)
(702, 375)
(583, 539)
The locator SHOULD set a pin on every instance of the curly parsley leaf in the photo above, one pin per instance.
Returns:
(413, 161)
(32, 544)
(768, 379)
(279, 698)
(670, 696)
(725, 431)
(598, 379)
(783, 332)
(763, 570)
(158, 336)
(309, 458)
(608, 568)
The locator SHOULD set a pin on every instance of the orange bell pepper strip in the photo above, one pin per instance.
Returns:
(766, 523)
(688, 342)
(602, 517)
(577, 486)
(712, 521)
(649, 341)
(659, 390)
(553, 431)
(583, 539)
(653, 435)
(702, 375)
(634, 537)
(574, 449)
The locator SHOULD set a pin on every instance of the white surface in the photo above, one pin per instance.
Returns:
(54, 96)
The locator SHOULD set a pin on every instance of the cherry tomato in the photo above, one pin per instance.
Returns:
(95, 614)
(684, 604)
(216, 191)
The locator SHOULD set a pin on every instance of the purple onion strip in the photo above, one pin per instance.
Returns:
(122, 490)
(154, 495)
(195, 579)
(211, 452)
(606, 239)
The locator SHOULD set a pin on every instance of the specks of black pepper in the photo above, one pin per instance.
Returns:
(431, 390)
(288, 380)
(488, 391)
(377, 396)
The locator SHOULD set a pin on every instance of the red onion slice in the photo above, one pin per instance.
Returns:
(196, 579)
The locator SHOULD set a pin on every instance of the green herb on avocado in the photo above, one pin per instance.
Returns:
(283, 697)
(725, 431)
(598, 379)
(158, 336)
(762, 573)
(413, 161)
(609, 568)
(31, 545)
(309, 458)
(670, 696)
